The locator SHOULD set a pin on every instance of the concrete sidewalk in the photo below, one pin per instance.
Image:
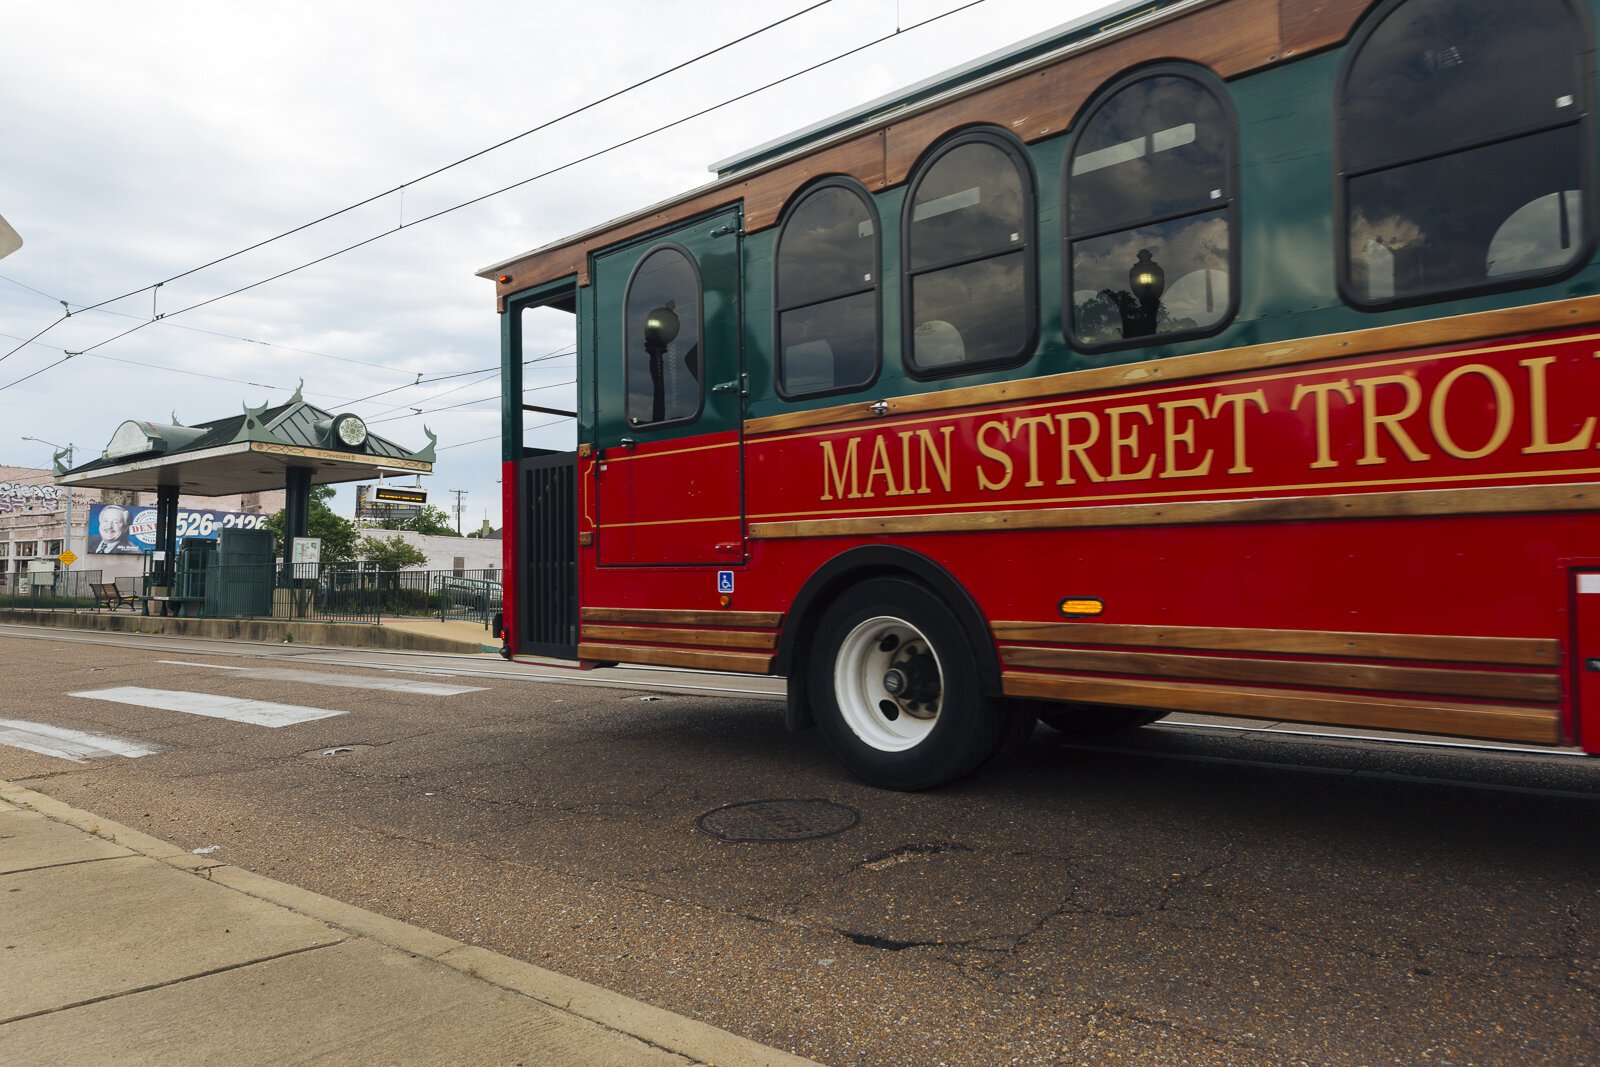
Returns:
(116, 947)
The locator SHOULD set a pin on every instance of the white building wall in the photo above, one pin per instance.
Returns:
(448, 553)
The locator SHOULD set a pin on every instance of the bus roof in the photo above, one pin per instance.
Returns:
(1085, 26)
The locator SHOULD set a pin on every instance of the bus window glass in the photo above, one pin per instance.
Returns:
(827, 293)
(1462, 139)
(663, 340)
(969, 267)
(968, 313)
(1150, 217)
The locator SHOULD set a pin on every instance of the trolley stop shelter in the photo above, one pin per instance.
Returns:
(294, 446)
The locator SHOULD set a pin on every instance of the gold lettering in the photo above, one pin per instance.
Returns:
(1319, 394)
(1128, 442)
(1502, 411)
(834, 473)
(941, 464)
(881, 465)
(1241, 463)
(1539, 404)
(1031, 424)
(1184, 437)
(999, 456)
(1081, 449)
(1371, 418)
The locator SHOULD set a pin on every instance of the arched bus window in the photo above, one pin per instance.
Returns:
(969, 264)
(826, 292)
(1150, 212)
(1463, 134)
(662, 329)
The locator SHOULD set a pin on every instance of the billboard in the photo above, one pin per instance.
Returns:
(117, 529)
(389, 502)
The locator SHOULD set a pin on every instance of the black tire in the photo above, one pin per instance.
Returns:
(1089, 722)
(928, 724)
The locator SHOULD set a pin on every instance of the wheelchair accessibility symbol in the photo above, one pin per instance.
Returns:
(724, 581)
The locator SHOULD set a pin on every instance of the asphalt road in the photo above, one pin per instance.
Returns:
(1182, 895)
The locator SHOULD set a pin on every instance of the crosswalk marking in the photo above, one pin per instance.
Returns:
(78, 746)
(343, 681)
(236, 709)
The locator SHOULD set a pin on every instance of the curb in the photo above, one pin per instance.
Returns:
(265, 631)
(699, 1041)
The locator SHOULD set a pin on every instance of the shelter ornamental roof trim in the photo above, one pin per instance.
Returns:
(243, 453)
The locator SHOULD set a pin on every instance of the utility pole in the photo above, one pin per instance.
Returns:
(459, 494)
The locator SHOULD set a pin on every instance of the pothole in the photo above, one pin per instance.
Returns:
(777, 820)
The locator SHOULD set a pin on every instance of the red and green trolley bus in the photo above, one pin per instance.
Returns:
(1232, 357)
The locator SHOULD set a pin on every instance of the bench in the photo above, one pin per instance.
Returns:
(167, 602)
(106, 594)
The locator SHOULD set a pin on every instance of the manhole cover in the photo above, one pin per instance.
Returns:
(777, 820)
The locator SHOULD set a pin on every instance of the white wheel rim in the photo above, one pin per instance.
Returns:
(881, 655)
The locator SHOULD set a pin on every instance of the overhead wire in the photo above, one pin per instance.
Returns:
(440, 170)
(508, 188)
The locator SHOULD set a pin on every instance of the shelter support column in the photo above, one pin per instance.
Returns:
(296, 509)
(165, 565)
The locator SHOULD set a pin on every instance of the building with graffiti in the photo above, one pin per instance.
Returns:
(112, 530)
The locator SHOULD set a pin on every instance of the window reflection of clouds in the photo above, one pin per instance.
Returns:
(983, 207)
(1447, 223)
(1437, 72)
(976, 312)
(832, 345)
(827, 294)
(828, 248)
(665, 278)
(1159, 146)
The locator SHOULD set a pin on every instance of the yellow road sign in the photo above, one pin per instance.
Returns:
(68, 558)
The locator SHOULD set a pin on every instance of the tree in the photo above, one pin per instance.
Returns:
(391, 553)
(337, 532)
(429, 520)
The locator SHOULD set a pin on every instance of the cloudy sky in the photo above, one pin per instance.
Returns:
(142, 141)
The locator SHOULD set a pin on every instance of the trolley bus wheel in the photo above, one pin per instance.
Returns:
(1086, 722)
(894, 682)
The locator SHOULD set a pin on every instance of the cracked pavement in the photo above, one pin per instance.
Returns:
(1173, 896)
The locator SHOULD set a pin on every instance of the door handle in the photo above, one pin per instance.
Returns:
(629, 443)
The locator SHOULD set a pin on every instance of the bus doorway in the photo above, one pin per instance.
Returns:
(669, 398)
(539, 478)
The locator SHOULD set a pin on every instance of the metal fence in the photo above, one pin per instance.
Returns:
(66, 590)
(310, 591)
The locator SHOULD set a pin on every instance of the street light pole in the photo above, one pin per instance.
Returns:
(66, 544)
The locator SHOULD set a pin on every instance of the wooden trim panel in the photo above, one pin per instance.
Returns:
(1457, 329)
(1408, 504)
(736, 662)
(757, 620)
(680, 636)
(1502, 651)
(1535, 726)
(1478, 685)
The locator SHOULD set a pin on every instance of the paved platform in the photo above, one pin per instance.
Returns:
(399, 634)
(117, 947)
